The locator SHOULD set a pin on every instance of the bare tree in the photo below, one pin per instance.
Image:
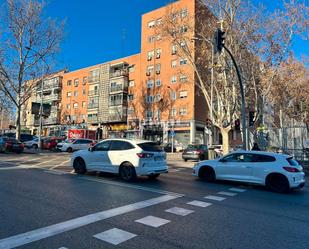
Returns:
(28, 40)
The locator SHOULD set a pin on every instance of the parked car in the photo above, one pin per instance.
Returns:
(70, 145)
(195, 152)
(8, 144)
(168, 147)
(51, 143)
(26, 137)
(32, 143)
(128, 158)
(278, 172)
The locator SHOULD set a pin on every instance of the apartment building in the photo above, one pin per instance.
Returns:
(152, 94)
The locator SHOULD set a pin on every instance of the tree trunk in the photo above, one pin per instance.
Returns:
(18, 127)
(225, 139)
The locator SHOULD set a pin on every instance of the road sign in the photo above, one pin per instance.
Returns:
(172, 133)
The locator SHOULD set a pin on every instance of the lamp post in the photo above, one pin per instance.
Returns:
(211, 84)
(41, 96)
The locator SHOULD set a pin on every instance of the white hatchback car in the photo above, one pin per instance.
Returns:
(70, 145)
(128, 158)
(278, 172)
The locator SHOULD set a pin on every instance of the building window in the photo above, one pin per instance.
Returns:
(159, 21)
(149, 99)
(174, 49)
(130, 97)
(183, 13)
(157, 98)
(174, 63)
(158, 68)
(75, 105)
(183, 78)
(149, 83)
(149, 114)
(150, 54)
(84, 104)
(183, 61)
(69, 94)
(151, 38)
(173, 112)
(173, 79)
(115, 100)
(131, 83)
(183, 44)
(151, 24)
(149, 70)
(183, 29)
(75, 93)
(183, 111)
(131, 68)
(68, 106)
(173, 95)
(84, 91)
(76, 82)
(130, 110)
(85, 80)
(73, 118)
(69, 82)
(158, 53)
(159, 37)
(158, 82)
(183, 94)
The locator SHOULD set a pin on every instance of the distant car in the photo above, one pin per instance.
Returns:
(26, 137)
(9, 144)
(168, 147)
(278, 172)
(70, 145)
(32, 143)
(128, 158)
(51, 143)
(195, 152)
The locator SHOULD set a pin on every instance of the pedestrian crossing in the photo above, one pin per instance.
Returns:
(116, 236)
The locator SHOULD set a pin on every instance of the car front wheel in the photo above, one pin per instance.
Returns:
(70, 150)
(79, 166)
(127, 172)
(207, 173)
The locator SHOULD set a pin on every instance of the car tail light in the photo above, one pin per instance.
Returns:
(199, 152)
(291, 169)
(144, 155)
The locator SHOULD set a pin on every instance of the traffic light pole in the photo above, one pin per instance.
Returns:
(243, 103)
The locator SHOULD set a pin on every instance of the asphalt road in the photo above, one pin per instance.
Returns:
(44, 205)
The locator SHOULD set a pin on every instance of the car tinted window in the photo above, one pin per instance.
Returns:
(264, 158)
(121, 145)
(292, 161)
(85, 141)
(103, 146)
(237, 157)
(203, 147)
(150, 147)
(192, 147)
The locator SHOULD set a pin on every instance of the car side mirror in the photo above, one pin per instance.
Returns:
(90, 149)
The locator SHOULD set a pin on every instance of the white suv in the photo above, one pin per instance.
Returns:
(128, 158)
(278, 172)
(71, 145)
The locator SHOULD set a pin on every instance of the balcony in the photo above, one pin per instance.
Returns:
(117, 118)
(93, 92)
(47, 121)
(93, 106)
(119, 73)
(93, 79)
(118, 88)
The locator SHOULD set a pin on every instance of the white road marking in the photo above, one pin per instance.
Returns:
(127, 185)
(179, 211)
(153, 221)
(63, 248)
(239, 190)
(25, 166)
(61, 164)
(214, 197)
(227, 193)
(115, 236)
(45, 232)
(199, 203)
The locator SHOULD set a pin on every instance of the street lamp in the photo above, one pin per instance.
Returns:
(42, 88)
(211, 84)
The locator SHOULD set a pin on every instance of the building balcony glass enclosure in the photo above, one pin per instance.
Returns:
(93, 92)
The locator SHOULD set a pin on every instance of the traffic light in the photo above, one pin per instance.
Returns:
(251, 118)
(219, 40)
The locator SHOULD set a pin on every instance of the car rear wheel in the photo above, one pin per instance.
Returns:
(79, 166)
(207, 173)
(185, 159)
(127, 172)
(277, 183)
(154, 176)
(70, 150)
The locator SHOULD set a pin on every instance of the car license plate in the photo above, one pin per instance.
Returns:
(159, 158)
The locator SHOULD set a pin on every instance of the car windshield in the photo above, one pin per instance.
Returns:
(150, 146)
(192, 147)
(69, 141)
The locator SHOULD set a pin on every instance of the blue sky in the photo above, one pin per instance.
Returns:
(101, 30)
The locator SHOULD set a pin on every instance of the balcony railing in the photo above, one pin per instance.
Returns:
(119, 73)
(93, 79)
(93, 92)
